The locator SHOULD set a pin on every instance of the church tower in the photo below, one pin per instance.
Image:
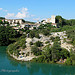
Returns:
(53, 19)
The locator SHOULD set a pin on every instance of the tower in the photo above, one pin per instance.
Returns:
(53, 19)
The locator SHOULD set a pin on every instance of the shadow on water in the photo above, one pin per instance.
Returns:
(30, 68)
(3, 51)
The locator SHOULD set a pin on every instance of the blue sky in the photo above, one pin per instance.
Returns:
(37, 9)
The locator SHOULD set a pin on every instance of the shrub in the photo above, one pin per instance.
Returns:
(28, 31)
(64, 53)
(57, 38)
(32, 34)
(7, 32)
(14, 48)
(31, 43)
(39, 59)
(68, 61)
(21, 42)
(46, 32)
(38, 44)
(24, 46)
(35, 50)
(47, 42)
(52, 38)
(37, 35)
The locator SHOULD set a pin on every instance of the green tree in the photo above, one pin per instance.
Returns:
(38, 44)
(56, 51)
(1, 22)
(32, 34)
(64, 54)
(68, 61)
(35, 50)
(7, 32)
(60, 21)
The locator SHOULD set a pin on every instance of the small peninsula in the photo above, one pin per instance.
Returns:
(49, 41)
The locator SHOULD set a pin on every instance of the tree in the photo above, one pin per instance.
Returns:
(68, 61)
(56, 51)
(6, 33)
(2, 18)
(64, 54)
(47, 52)
(1, 22)
(32, 34)
(37, 35)
(45, 32)
(38, 44)
(35, 50)
(52, 38)
(60, 21)
(23, 20)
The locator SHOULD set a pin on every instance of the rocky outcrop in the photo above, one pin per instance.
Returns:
(27, 55)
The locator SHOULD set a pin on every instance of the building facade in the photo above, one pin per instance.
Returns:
(51, 20)
(14, 21)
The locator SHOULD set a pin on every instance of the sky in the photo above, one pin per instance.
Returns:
(33, 10)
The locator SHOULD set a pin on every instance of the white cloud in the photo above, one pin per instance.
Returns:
(23, 13)
(1, 8)
(10, 15)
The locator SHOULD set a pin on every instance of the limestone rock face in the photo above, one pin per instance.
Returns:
(28, 40)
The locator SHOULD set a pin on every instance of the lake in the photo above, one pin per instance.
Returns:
(9, 66)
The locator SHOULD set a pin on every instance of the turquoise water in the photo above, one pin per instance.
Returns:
(9, 66)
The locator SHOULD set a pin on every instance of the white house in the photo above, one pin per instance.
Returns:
(14, 21)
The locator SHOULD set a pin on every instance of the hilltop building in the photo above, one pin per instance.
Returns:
(50, 20)
(14, 21)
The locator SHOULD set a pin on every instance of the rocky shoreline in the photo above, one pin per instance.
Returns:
(28, 58)
(43, 39)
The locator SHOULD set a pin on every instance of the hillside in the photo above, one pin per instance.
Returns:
(47, 44)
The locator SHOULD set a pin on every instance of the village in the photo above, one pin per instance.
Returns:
(20, 23)
(36, 38)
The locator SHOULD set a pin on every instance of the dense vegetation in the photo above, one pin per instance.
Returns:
(35, 50)
(62, 22)
(48, 54)
(16, 46)
(3, 23)
(6, 33)
(52, 54)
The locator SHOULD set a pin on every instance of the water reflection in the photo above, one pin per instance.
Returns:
(44, 69)
(3, 51)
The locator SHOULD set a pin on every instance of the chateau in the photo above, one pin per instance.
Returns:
(50, 20)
